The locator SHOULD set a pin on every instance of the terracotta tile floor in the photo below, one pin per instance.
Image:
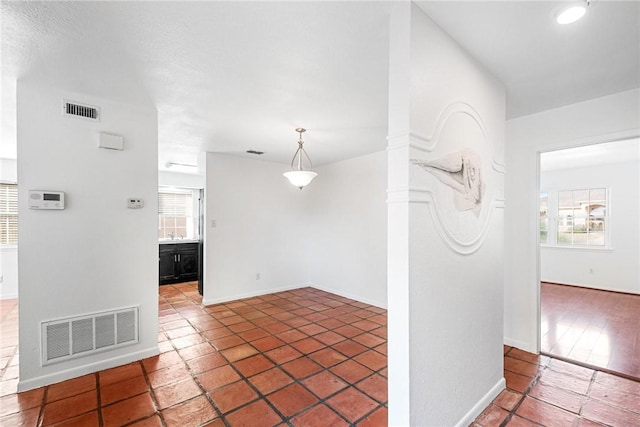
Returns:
(296, 358)
(550, 392)
(593, 327)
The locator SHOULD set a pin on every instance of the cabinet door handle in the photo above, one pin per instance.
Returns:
(178, 257)
(175, 258)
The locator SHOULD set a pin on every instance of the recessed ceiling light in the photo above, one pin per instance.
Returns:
(572, 13)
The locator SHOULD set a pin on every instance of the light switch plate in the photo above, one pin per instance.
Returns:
(111, 142)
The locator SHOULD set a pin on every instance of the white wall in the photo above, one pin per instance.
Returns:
(445, 265)
(603, 119)
(331, 235)
(8, 271)
(260, 221)
(616, 268)
(182, 180)
(8, 170)
(347, 228)
(8, 253)
(96, 254)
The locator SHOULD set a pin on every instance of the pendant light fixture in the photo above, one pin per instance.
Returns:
(298, 176)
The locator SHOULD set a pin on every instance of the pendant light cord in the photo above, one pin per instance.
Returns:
(299, 152)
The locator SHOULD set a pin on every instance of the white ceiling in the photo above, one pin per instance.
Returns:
(233, 76)
(542, 64)
(591, 155)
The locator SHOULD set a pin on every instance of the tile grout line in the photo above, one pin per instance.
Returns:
(194, 377)
(588, 394)
(152, 395)
(99, 399)
(526, 391)
(42, 405)
(306, 356)
(260, 397)
(592, 367)
(280, 300)
(207, 394)
(349, 384)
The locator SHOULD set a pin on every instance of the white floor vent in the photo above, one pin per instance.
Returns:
(65, 339)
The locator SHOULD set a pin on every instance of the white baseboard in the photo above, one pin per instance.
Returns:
(520, 345)
(482, 404)
(253, 294)
(348, 295)
(31, 383)
(290, 288)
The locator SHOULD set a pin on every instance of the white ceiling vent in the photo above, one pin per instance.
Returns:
(82, 111)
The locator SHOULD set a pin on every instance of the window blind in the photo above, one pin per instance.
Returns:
(8, 214)
(175, 204)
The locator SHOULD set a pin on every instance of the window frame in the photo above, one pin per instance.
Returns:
(191, 224)
(546, 218)
(8, 242)
(553, 218)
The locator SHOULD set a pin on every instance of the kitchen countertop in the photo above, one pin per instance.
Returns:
(176, 241)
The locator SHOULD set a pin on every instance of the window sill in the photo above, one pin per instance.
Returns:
(579, 248)
(8, 248)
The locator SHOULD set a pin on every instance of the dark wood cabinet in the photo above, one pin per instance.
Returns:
(178, 262)
(168, 259)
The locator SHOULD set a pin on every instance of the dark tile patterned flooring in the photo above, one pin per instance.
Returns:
(543, 391)
(296, 358)
(299, 358)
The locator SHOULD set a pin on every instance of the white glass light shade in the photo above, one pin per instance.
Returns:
(300, 178)
(571, 14)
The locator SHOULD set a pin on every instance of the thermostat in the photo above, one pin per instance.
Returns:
(135, 203)
(46, 199)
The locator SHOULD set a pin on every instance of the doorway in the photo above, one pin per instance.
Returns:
(589, 252)
(180, 234)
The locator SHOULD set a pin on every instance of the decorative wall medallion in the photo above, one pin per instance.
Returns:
(461, 171)
(456, 177)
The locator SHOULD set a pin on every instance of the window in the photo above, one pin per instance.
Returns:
(176, 218)
(579, 217)
(544, 217)
(8, 214)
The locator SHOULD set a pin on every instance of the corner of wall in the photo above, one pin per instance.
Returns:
(94, 255)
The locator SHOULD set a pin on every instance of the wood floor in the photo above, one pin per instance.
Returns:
(592, 327)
